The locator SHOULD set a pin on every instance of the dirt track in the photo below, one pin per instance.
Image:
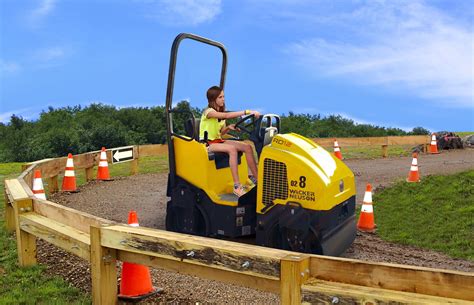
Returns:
(147, 195)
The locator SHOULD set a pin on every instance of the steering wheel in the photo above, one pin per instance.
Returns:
(245, 127)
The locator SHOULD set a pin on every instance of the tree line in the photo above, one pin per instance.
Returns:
(76, 130)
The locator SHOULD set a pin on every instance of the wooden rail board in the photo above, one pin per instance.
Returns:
(27, 187)
(86, 160)
(53, 167)
(16, 190)
(323, 292)
(194, 249)
(408, 140)
(27, 175)
(264, 283)
(152, 150)
(58, 234)
(436, 282)
(369, 141)
(76, 219)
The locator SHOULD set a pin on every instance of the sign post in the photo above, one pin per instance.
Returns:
(122, 154)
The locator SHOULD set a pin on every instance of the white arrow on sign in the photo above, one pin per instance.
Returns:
(122, 155)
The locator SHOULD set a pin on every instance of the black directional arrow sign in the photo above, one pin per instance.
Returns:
(122, 154)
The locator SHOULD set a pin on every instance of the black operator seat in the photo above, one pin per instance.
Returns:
(221, 160)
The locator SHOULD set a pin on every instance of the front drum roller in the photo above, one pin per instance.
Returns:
(292, 231)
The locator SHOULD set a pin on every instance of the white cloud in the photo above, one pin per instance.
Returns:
(184, 12)
(404, 46)
(37, 59)
(50, 54)
(50, 57)
(9, 67)
(44, 9)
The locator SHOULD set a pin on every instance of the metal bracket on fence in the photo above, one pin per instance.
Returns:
(107, 259)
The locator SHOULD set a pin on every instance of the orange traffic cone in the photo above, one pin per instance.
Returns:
(136, 281)
(133, 219)
(366, 218)
(433, 145)
(38, 189)
(413, 175)
(337, 150)
(69, 180)
(103, 169)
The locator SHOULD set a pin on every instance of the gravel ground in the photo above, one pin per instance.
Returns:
(147, 195)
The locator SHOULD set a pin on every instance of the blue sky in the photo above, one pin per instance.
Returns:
(389, 63)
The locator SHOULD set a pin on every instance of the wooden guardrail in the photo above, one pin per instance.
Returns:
(383, 142)
(296, 277)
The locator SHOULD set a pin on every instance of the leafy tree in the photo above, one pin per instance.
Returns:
(419, 131)
(77, 130)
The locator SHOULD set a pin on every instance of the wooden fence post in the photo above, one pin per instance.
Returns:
(384, 151)
(89, 173)
(134, 167)
(134, 163)
(53, 184)
(294, 271)
(103, 270)
(26, 242)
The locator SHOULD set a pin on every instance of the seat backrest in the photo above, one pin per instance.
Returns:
(188, 128)
(270, 132)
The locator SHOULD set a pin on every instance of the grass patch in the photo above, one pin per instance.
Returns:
(464, 133)
(27, 285)
(436, 214)
(373, 152)
(9, 170)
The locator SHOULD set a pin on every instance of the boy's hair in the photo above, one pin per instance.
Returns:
(212, 94)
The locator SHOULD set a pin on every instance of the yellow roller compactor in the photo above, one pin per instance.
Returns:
(304, 200)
